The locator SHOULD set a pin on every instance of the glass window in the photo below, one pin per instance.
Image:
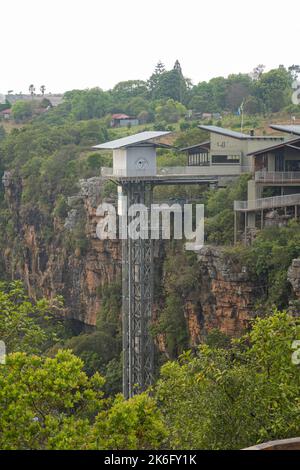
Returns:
(226, 159)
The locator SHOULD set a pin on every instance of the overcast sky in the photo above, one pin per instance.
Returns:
(67, 44)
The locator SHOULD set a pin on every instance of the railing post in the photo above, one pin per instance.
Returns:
(235, 228)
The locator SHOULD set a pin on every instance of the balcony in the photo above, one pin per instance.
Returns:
(277, 177)
(267, 203)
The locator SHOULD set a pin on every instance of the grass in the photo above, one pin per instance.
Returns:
(10, 125)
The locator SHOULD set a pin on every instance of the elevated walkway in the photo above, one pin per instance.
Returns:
(267, 203)
(278, 177)
(181, 174)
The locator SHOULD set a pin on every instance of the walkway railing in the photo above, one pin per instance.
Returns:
(268, 203)
(277, 176)
(213, 170)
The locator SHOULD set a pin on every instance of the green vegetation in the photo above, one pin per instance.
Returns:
(180, 277)
(224, 396)
(26, 326)
(219, 223)
(100, 349)
(60, 386)
(50, 403)
(235, 397)
(167, 95)
(52, 151)
(267, 261)
(22, 110)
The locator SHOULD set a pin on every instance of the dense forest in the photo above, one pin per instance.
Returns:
(167, 96)
(60, 387)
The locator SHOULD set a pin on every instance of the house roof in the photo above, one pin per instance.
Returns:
(234, 134)
(291, 129)
(120, 116)
(6, 111)
(134, 140)
(293, 143)
(222, 131)
(204, 145)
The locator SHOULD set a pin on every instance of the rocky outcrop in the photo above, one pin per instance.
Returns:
(294, 277)
(225, 295)
(58, 267)
(223, 298)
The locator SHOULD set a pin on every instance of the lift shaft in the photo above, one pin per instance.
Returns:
(137, 298)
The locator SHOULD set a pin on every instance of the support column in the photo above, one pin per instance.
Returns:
(137, 287)
(235, 227)
(254, 193)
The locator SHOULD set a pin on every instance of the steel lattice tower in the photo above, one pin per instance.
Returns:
(137, 299)
(134, 171)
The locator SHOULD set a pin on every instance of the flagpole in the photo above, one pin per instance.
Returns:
(242, 120)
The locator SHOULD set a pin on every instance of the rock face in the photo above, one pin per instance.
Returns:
(294, 277)
(55, 267)
(223, 299)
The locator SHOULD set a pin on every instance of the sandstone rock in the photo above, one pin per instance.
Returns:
(223, 297)
(294, 277)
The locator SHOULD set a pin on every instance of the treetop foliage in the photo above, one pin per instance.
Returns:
(225, 395)
(235, 397)
(259, 91)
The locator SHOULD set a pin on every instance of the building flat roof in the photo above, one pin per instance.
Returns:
(134, 140)
(290, 129)
(236, 135)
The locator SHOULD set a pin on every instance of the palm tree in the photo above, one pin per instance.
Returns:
(43, 89)
(31, 90)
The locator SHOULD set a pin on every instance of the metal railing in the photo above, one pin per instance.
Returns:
(122, 173)
(267, 203)
(277, 176)
(213, 170)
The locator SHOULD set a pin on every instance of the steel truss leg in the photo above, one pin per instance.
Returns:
(137, 286)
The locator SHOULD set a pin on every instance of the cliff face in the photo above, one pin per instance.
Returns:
(223, 298)
(54, 267)
(225, 295)
(294, 277)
